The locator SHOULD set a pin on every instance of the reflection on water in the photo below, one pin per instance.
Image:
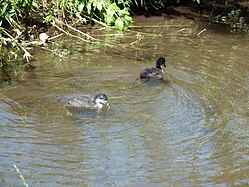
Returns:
(192, 131)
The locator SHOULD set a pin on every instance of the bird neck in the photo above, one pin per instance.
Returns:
(98, 104)
(158, 66)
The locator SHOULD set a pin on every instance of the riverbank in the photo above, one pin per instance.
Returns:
(233, 15)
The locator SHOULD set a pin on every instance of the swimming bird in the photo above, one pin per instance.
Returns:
(155, 72)
(85, 101)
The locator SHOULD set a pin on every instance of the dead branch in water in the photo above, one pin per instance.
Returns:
(90, 39)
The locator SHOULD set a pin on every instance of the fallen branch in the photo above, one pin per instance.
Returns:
(74, 29)
(69, 34)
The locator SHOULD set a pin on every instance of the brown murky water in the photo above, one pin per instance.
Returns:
(191, 132)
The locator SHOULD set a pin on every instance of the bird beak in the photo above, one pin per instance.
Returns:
(108, 105)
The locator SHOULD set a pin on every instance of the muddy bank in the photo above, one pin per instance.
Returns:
(233, 14)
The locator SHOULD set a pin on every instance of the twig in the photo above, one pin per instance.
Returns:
(201, 32)
(67, 33)
(97, 21)
(54, 37)
(21, 176)
(68, 113)
(76, 30)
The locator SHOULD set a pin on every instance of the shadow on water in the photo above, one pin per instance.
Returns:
(191, 131)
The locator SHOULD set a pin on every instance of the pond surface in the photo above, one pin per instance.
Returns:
(193, 131)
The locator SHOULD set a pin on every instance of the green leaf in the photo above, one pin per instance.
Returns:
(120, 2)
(99, 6)
(119, 24)
(109, 19)
(110, 11)
(124, 12)
(80, 7)
(5, 5)
(89, 8)
(128, 18)
(114, 7)
(48, 18)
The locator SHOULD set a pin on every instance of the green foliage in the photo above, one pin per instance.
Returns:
(234, 20)
(10, 50)
(120, 18)
(109, 12)
(12, 10)
(112, 13)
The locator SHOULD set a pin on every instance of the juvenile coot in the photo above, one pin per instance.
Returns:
(78, 100)
(155, 72)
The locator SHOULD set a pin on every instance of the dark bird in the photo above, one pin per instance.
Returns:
(155, 72)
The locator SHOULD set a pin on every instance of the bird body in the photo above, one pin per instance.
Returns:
(85, 101)
(150, 73)
(155, 72)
